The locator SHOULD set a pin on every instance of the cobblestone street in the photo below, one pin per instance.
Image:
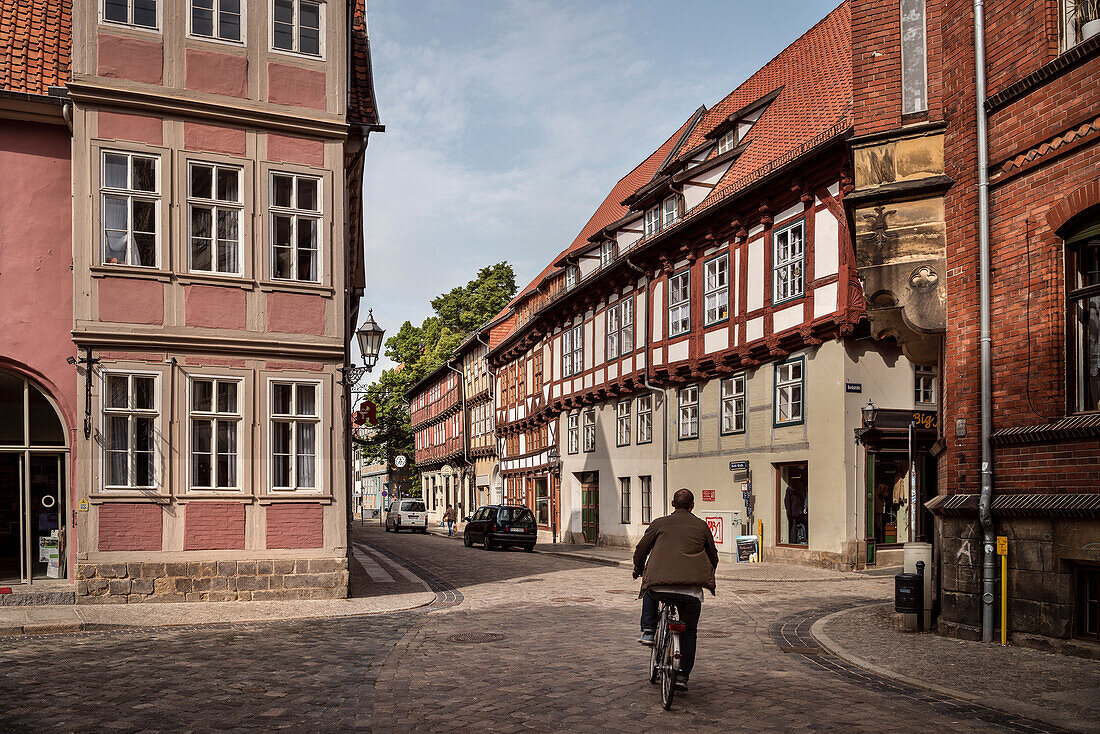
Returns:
(566, 659)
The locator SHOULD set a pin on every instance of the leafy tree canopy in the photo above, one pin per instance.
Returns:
(419, 350)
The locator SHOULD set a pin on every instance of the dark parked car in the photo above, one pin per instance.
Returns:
(500, 526)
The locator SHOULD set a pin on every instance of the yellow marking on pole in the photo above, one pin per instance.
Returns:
(759, 540)
(1002, 551)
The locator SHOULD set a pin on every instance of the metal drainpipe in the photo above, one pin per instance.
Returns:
(985, 515)
(653, 390)
(465, 432)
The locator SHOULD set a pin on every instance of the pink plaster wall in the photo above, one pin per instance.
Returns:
(130, 527)
(282, 148)
(213, 526)
(139, 128)
(130, 58)
(215, 307)
(217, 73)
(293, 313)
(36, 283)
(295, 525)
(130, 301)
(293, 85)
(214, 138)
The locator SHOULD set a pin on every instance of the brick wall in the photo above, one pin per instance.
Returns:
(213, 526)
(296, 525)
(130, 527)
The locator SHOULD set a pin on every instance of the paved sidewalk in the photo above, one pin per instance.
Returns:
(410, 592)
(1055, 689)
(727, 571)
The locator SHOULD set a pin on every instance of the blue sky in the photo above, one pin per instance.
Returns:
(508, 122)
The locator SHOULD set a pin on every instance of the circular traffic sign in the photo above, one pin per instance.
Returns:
(399, 461)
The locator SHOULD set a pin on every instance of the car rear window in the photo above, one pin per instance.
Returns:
(412, 506)
(515, 514)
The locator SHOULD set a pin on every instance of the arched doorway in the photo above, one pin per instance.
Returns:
(32, 483)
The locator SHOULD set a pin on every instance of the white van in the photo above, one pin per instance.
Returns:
(407, 514)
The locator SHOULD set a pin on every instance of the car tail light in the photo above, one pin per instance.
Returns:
(677, 626)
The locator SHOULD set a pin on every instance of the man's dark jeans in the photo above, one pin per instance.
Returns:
(688, 608)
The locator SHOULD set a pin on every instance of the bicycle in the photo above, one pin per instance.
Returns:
(664, 656)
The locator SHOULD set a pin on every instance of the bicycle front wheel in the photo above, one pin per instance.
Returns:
(655, 653)
(668, 673)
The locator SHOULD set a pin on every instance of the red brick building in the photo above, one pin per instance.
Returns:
(915, 154)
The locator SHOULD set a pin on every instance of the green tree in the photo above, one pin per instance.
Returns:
(419, 350)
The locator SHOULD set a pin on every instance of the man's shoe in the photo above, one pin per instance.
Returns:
(648, 638)
(681, 684)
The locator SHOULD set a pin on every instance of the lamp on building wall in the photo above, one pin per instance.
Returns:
(870, 412)
(553, 459)
(369, 336)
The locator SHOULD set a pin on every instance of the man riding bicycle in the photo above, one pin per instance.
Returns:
(681, 562)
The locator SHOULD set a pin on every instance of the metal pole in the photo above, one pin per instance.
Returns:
(985, 514)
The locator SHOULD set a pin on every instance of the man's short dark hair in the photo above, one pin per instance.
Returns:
(683, 499)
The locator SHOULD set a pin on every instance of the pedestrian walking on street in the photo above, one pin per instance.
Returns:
(676, 559)
(449, 518)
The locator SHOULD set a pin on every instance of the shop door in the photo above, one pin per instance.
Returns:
(11, 524)
(590, 511)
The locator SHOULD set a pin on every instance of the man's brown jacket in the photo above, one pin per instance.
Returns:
(681, 551)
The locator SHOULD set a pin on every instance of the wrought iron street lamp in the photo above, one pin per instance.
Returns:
(369, 336)
(870, 412)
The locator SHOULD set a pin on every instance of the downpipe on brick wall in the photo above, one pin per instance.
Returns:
(985, 514)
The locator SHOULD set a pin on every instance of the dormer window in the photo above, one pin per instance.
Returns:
(652, 221)
(570, 277)
(727, 141)
(670, 211)
(607, 253)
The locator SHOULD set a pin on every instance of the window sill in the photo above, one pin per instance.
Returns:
(198, 497)
(129, 271)
(233, 281)
(319, 499)
(292, 286)
(130, 496)
(299, 55)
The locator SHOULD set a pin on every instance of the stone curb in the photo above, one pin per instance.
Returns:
(1000, 703)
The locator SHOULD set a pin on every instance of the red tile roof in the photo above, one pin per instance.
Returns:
(815, 76)
(362, 105)
(35, 44)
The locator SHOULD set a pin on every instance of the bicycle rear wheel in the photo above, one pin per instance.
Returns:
(668, 673)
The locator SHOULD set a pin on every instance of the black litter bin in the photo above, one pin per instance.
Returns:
(908, 593)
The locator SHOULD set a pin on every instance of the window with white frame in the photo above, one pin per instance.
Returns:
(652, 221)
(733, 404)
(622, 423)
(297, 26)
(589, 424)
(624, 500)
(670, 211)
(717, 289)
(577, 359)
(788, 392)
(130, 421)
(215, 433)
(220, 19)
(727, 141)
(787, 263)
(924, 384)
(573, 433)
(214, 203)
(607, 253)
(626, 325)
(645, 418)
(139, 13)
(295, 210)
(613, 331)
(679, 303)
(295, 430)
(914, 70)
(1080, 21)
(689, 412)
(570, 276)
(645, 484)
(130, 189)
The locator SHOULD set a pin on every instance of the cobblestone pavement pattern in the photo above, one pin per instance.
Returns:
(567, 659)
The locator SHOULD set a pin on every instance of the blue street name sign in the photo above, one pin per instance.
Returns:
(853, 387)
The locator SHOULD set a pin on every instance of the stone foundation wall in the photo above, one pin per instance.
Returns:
(202, 581)
(1043, 554)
